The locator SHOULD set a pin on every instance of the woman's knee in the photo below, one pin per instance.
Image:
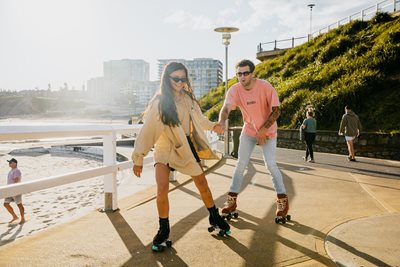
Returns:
(201, 182)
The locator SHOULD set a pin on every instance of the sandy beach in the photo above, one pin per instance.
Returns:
(63, 203)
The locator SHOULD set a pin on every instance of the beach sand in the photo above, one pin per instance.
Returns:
(63, 203)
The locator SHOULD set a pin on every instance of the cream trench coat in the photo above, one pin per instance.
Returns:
(170, 143)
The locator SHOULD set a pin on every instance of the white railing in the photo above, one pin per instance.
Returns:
(108, 170)
(363, 15)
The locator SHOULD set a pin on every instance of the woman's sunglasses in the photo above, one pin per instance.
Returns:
(177, 79)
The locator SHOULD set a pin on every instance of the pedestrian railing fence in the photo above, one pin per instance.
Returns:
(368, 13)
(110, 166)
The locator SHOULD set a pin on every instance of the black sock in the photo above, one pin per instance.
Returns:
(213, 210)
(164, 222)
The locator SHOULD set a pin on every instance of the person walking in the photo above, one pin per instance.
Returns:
(175, 125)
(350, 126)
(259, 104)
(310, 129)
(14, 176)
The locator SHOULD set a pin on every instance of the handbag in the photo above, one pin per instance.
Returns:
(202, 149)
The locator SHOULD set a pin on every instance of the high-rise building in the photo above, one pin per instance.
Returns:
(121, 78)
(204, 73)
(96, 89)
(119, 73)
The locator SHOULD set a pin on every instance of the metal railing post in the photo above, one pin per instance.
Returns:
(110, 180)
(226, 152)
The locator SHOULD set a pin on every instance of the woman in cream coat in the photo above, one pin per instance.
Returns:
(174, 125)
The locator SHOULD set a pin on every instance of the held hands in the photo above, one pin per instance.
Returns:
(219, 128)
(137, 170)
(260, 136)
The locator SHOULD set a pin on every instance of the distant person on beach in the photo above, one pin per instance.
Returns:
(14, 176)
(174, 123)
(351, 127)
(259, 103)
(310, 129)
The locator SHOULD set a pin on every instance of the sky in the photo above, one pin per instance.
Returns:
(66, 41)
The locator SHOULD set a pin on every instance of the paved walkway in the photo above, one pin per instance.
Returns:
(343, 213)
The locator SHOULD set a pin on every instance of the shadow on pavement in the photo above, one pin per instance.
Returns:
(141, 254)
(306, 230)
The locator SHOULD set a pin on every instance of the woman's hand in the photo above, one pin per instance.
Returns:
(137, 170)
(218, 128)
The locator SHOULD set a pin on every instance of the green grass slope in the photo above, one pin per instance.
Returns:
(357, 64)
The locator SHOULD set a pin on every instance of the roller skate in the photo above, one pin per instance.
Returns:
(217, 223)
(228, 211)
(160, 240)
(282, 208)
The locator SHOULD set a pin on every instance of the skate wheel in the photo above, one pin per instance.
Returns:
(157, 248)
(235, 215)
(168, 243)
(288, 217)
(210, 229)
(283, 220)
(276, 220)
(229, 217)
(221, 233)
(228, 232)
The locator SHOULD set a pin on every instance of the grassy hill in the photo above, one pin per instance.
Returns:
(357, 64)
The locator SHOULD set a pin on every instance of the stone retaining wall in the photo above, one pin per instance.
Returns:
(373, 145)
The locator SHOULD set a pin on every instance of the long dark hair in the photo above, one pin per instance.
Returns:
(167, 107)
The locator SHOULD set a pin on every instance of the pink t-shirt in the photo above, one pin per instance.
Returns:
(256, 106)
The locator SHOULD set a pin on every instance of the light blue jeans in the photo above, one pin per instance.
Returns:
(246, 147)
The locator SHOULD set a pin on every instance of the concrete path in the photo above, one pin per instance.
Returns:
(342, 214)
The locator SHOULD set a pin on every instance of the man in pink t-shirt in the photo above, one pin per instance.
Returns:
(259, 103)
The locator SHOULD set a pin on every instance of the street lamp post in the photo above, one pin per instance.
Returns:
(226, 37)
(311, 7)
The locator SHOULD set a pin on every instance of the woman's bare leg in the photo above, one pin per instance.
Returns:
(162, 179)
(205, 192)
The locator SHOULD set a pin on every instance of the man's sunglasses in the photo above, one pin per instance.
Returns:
(177, 79)
(245, 73)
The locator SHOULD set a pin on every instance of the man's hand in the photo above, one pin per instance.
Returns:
(260, 136)
(219, 128)
(137, 170)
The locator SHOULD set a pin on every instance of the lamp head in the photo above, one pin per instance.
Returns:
(226, 38)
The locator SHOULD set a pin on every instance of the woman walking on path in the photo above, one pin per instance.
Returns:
(310, 129)
(175, 125)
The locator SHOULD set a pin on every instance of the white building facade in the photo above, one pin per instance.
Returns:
(124, 83)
